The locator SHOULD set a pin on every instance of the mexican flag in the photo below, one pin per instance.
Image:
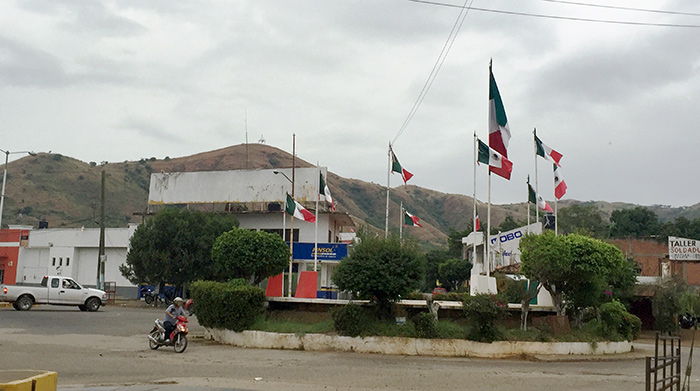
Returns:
(476, 224)
(410, 220)
(325, 192)
(396, 167)
(499, 132)
(547, 152)
(539, 201)
(559, 184)
(295, 209)
(503, 167)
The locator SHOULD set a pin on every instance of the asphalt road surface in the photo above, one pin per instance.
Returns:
(108, 350)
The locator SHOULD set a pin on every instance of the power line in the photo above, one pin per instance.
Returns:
(464, 10)
(607, 21)
(623, 8)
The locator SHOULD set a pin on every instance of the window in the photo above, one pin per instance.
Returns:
(54, 262)
(278, 231)
(54, 283)
(60, 261)
(67, 261)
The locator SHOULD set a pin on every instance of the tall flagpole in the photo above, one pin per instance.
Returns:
(291, 230)
(556, 218)
(537, 189)
(388, 179)
(487, 234)
(476, 157)
(528, 202)
(401, 222)
(318, 193)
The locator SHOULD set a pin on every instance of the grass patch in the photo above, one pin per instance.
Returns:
(292, 327)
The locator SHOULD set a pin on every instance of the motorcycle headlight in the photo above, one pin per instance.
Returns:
(181, 328)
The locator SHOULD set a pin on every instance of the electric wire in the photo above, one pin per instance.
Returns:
(571, 18)
(436, 67)
(622, 8)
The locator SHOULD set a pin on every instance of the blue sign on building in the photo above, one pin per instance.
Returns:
(326, 251)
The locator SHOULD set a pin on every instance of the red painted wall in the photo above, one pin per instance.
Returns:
(9, 253)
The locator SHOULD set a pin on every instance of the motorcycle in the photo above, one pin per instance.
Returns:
(152, 298)
(177, 339)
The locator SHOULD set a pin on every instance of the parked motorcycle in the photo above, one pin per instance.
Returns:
(177, 339)
(152, 298)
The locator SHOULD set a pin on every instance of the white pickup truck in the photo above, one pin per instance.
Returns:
(53, 290)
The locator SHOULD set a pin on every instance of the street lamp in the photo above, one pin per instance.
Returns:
(4, 178)
(291, 235)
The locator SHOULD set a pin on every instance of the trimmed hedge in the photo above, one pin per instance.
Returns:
(234, 305)
(351, 320)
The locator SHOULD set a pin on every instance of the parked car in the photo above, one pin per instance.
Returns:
(54, 290)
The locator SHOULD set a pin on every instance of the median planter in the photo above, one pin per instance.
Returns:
(410, 346)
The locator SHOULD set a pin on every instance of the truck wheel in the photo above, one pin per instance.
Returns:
(92, 304)
(24, 303)
(15, 306)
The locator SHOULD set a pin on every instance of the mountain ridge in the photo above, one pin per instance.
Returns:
(66, 193)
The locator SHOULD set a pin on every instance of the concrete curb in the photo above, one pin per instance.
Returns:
(414, 346)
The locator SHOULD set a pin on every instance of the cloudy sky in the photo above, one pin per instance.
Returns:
(127, 79)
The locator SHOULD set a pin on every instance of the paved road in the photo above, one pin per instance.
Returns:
(108, 350)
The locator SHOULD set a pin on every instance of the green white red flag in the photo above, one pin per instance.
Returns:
(499, 131)
(325, 192)
(535, 199)
(547, 152)
(396, 167)
(488, 155)
(410, 220)
(295, 209)
(559, 184)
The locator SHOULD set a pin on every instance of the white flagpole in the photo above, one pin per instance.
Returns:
(556, 218)
(476, 158)
(537, 190)
(528, 202)
(487, 240)
(388, 179)
(401, 222)
(284, 218)
(318, 193)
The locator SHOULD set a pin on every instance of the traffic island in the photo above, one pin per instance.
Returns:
(28, 380)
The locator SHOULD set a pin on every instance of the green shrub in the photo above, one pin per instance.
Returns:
(666, 305)
(426, 325)
(231, 305)
(351, 320)
(617, 323)
(450, 296)
(482, 311)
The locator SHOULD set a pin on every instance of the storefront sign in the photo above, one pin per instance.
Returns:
(682, 249)
(326, 251)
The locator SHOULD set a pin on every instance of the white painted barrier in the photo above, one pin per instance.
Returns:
(411, 346)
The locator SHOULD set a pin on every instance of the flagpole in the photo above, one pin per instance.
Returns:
(528, 202)
(537, 189)
(291, 230)
(401, 222)
(318, 193)
(388, 179)
(487, 253)
(476, 157)
(556, 219)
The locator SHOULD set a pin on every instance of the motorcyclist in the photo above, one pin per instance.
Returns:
(171, 313)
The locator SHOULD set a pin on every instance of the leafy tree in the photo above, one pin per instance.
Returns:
(381, 270)
(578, 218)
(546, 258)
(252, 255)
(454, 272)
(433, 259)
(666, 304)
(681, 227)
(508, 224)
(174, 246)
(638, 222)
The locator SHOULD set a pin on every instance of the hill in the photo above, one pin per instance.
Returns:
(66, 192)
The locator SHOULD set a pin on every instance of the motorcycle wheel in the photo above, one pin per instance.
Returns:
(155, 334)
(180, 343)
(148, 299)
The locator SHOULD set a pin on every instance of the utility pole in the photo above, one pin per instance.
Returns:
(101, 257)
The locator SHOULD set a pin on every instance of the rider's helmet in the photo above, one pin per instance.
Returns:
(178, 300)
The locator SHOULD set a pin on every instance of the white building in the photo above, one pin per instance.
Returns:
(74, 252)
